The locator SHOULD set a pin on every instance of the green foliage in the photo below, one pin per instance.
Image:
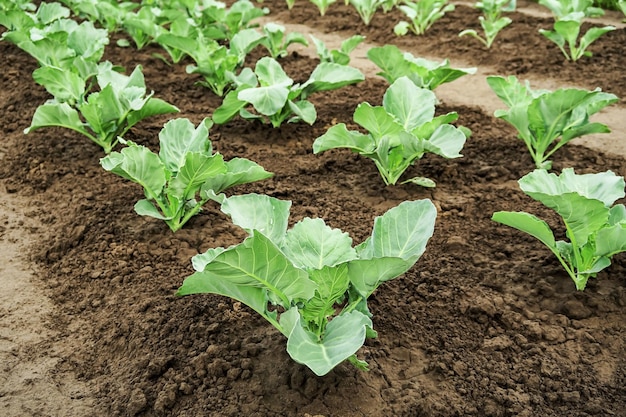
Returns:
(184, 175)
(596, 230)
(547, 120)
(275, 97)
(108, 13)
(103, 116)
(215, 62)
(424, 73)
(563, 8)
(492, 20)
(322, 5)
(339, 56)
(276, 41)
(566, 36)
(227, 21)
(400, 132)
(311, 274)
(422, 15)
(568, 19)
(366, 8)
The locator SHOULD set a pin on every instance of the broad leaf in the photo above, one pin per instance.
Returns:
(339, 136)
(344, 335)
(179, 137)
(402, 232)
(259, 212)
(258, 263)
(310, 243)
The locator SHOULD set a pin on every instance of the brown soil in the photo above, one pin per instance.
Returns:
(485, 324)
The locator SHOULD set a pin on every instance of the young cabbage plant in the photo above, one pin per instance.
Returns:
(142, 26)
(339, 56)
(492, 20)
(621, 4)
(309, 282)
(562, 8)
(547, 120)
(215, 62)
(400, 132)
(422, 15)
(179, 32)
(322, 5)
(276, 41)
(109, 14)
(276, 98)
(228, 21)
(290, 4)
(366, 8)
(25, 5)
(105, 115)
(424, 73)
(62, 43)
(566, 36)
(22, 17)
(389, 5)
(596, 228)
(184, 175)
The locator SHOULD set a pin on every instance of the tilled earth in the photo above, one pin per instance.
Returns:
(486, 324)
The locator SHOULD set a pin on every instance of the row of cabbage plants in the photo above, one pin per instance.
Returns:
(308, 281)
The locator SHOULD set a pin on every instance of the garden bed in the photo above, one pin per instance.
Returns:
(486, 324)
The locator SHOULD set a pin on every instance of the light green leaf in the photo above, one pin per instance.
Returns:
(258, 263)
(330, 76)
(339, 136)
(332, 285)
(310, 243)
(57, 114)
(266, 100)
(343, 337)
(402, 232)
(527, 223)
(304, 110)
(63, 84)
(412, 106)
(367, 274)
(605, 187)
(376, 120)
(140, 165)
(266, 214)
(208, 282)
(611, 240)
(270, 73)
(144, 207)
(178, 138)
(238, 171)
(198, 167)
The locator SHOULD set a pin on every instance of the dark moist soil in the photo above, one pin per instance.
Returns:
(486, 324)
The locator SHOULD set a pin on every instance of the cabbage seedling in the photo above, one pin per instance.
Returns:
(566, 32)
(596, 228)
(422, 15)
(547, 120)
(276, 98)
(276, 41)
(309, 281)
(183, 176)
(424, 73)
(366, 8)
(322, 5)
(339, 56)
(107, 114)
(400, 132)
(492, 22)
